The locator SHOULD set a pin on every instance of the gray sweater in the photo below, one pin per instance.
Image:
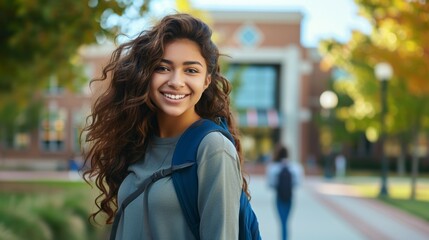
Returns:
(219, 188)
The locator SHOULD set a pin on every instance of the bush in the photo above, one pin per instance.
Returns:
(41, 215)
(59, 220)
(7, 234)
(23, 224)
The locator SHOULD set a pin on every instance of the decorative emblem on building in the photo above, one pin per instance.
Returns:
(249, 35)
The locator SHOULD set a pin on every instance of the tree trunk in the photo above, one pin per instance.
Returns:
(400, 165)
(401, 159)
(414, 173)
(415, 164)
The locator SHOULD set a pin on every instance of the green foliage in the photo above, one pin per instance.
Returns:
(7, 234)
(59, 222)
(400, 32)
(397, 38)
(16, 118)
(40, 40)
(46, 211)
(21, 223)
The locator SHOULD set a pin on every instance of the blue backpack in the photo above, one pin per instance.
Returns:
(183, 172)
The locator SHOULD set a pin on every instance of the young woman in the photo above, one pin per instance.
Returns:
(161, 83)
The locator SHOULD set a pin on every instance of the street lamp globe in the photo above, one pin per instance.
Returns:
(328, 99)
(383, 71)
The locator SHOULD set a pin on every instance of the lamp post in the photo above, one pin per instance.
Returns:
(383, 72)
(329, 100)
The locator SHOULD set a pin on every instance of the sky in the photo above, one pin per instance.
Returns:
(322, 18)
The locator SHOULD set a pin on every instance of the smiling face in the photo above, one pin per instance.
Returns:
(179, 81)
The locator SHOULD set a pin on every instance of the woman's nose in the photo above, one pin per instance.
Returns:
(176, 80)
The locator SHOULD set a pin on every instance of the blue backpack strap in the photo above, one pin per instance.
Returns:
(248, 223)
(143, 187)
(186, 181)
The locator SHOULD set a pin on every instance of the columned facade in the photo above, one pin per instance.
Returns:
(272, 38)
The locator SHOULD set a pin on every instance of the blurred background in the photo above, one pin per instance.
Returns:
(343, 84)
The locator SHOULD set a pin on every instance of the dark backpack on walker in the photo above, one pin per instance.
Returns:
(183, 172)
(284, 184)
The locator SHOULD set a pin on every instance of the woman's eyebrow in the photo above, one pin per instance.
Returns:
(166, 61)
(192, 63)
(185, 63)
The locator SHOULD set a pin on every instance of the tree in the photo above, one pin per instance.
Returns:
(399, 37)
(402, 29)
(40, 41)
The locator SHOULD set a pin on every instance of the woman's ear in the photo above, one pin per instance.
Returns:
(208, 81)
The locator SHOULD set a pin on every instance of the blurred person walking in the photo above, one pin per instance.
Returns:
(282, 177)
(340, 165)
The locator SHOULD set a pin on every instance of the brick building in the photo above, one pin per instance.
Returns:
(280, 81)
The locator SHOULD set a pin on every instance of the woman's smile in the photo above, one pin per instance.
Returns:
(175, 96)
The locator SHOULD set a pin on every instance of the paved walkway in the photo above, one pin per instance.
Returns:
(323, 210)
(329, 211)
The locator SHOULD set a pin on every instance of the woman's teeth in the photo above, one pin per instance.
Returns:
(175, 97)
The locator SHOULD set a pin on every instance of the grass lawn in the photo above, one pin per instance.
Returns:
(415, 207)
(18, 190)
(399, 195)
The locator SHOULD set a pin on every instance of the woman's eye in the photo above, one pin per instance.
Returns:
(161, 69)
(192, 70)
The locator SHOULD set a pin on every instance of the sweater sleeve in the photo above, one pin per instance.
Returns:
(219, 188)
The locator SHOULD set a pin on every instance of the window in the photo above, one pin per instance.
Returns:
(21, 141)
(256, 85)
(79, 118)
(53, 87)
(53, 130)
(255, 96)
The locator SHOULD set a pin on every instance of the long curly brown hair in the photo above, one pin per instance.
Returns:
(123, 117)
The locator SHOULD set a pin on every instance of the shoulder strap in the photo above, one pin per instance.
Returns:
(143, 187)
(186, 181)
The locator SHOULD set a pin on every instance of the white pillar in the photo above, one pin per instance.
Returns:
(290, 92)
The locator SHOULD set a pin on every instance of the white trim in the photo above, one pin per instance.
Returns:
(259, 55)
(290, 102)
(257, 16)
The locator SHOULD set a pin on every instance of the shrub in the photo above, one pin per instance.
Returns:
(24, 224)
(7, 234)
(61, 213)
